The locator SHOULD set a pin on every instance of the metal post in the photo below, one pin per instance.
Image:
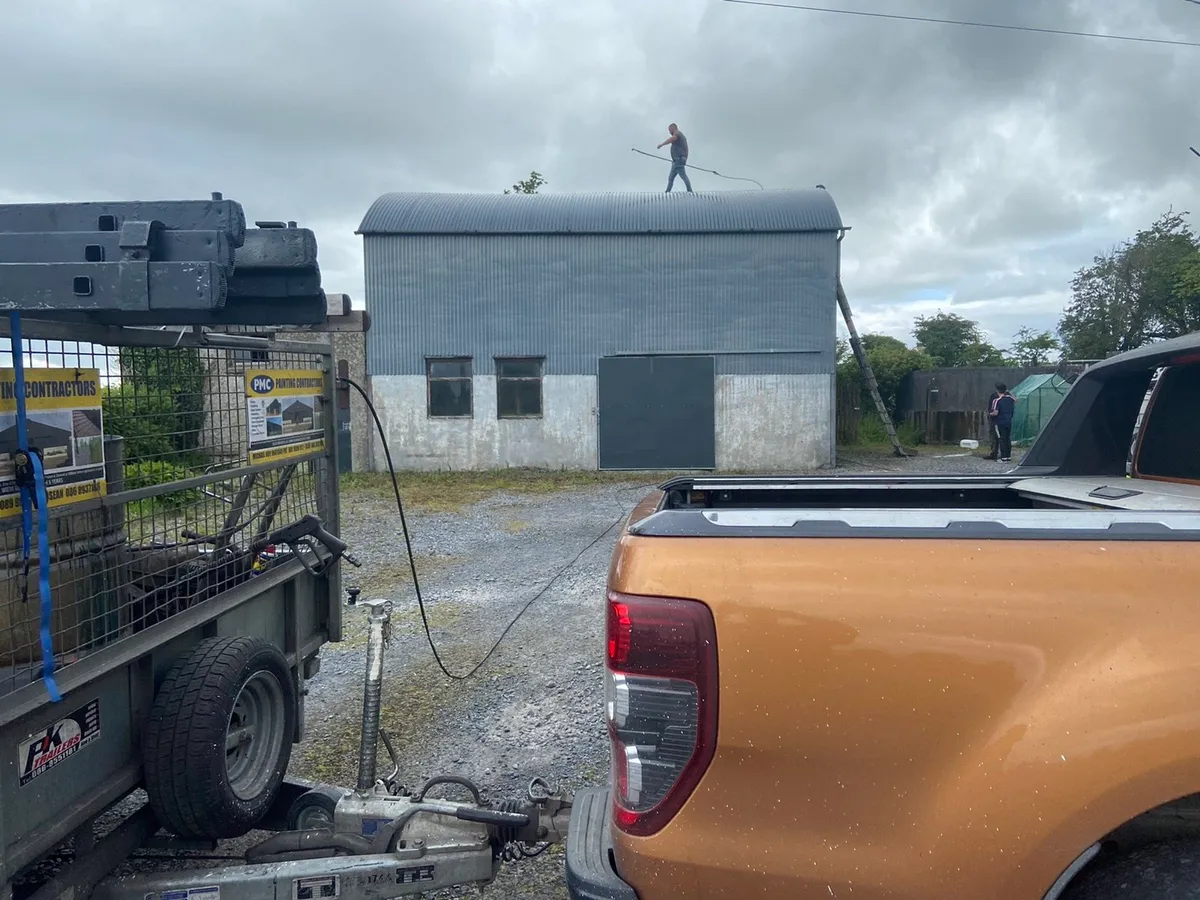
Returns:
(377, 633)
(328, 493)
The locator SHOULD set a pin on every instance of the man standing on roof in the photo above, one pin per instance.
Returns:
(1003, 407)
(679, 155)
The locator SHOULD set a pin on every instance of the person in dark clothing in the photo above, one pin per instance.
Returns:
(1002, 411)
(994, 452)
(679, 156)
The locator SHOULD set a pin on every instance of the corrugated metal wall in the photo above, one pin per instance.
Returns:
(573, 299)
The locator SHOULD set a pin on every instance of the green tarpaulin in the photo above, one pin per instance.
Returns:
(1038, 396)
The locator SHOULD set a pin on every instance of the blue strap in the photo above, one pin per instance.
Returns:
(30, 498)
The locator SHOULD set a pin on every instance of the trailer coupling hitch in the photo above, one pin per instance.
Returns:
(308, 532)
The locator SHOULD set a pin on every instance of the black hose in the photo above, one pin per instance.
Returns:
(412, 563)
(460, 780)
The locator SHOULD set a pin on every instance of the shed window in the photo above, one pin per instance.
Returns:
(449, 382)
(519, 387)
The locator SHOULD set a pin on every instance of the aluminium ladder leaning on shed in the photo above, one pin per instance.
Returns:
(864, 364)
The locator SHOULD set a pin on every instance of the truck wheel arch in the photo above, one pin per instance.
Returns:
(1171, 820)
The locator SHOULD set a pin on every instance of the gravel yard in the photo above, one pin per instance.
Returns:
(485, 545)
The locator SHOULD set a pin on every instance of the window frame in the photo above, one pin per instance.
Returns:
(430, 378)
(540, 378)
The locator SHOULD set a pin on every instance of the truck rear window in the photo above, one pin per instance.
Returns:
(1170, 445)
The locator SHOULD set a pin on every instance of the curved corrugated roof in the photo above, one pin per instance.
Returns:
(617, 213)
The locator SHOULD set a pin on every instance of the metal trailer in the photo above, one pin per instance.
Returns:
(168, 533)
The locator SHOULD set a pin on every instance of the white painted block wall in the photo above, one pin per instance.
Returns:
(564, 438)
(763, 422)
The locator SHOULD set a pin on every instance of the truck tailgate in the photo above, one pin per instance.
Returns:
(872, 691)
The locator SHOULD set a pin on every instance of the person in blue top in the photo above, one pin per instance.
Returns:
(1003, 406)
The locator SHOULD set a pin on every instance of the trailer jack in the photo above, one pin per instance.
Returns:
(379, 840)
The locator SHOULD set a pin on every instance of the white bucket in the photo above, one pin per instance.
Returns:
(968, 444)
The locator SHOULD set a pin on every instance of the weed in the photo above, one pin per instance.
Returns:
(446, 491)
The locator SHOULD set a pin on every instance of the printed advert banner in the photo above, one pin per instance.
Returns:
(64, 420)
(284, 414)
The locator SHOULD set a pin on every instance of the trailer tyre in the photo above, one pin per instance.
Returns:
(219, 736)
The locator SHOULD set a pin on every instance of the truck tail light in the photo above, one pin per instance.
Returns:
(661, 705)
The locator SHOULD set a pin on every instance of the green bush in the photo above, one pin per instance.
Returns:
(910, 434)
(156, 472)
(871, 432)
(147, 420)
(176, 374)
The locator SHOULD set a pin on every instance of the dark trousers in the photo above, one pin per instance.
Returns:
(994, 452)
(679, 167)
(1004, 440)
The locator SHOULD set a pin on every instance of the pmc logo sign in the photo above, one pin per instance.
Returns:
(262, 384)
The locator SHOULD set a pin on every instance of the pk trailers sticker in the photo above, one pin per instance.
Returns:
(39, 753)
(284, 413)
(63, 420)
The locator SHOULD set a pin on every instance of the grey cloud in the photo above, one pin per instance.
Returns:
(987, 163)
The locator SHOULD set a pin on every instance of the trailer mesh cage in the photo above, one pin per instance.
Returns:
(169, 457)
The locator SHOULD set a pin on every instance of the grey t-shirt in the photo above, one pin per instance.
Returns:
(679, 148)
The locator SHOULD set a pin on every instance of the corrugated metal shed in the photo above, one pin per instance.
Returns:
(724, 212)
(764, 303)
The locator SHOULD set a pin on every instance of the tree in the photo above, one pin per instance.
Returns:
(841, 350)
(1143, 290)
(528, 185)
(891, 360)
(1033, 348)
(953, 341)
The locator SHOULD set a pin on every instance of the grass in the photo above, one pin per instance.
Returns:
(454, 491)
(413, 704)
(443, 615)
(872, 435)
(381, 579)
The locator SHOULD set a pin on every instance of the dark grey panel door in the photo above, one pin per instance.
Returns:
(657, 412)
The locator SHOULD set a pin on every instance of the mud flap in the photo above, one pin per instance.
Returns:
(590, 873)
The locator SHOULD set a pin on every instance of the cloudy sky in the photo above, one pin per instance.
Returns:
(978, 168)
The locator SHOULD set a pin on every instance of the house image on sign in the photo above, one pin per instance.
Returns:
(89, 439)
(298, 416)
(55, 444)
(274, 412)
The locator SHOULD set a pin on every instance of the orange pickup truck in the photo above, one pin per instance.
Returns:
(916, 687)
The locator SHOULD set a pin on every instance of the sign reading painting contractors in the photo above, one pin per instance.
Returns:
(283, 413)
(63, 420)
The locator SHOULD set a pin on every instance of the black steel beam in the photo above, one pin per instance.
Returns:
(216, 214)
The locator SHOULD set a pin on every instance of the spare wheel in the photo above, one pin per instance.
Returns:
(218, 740)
